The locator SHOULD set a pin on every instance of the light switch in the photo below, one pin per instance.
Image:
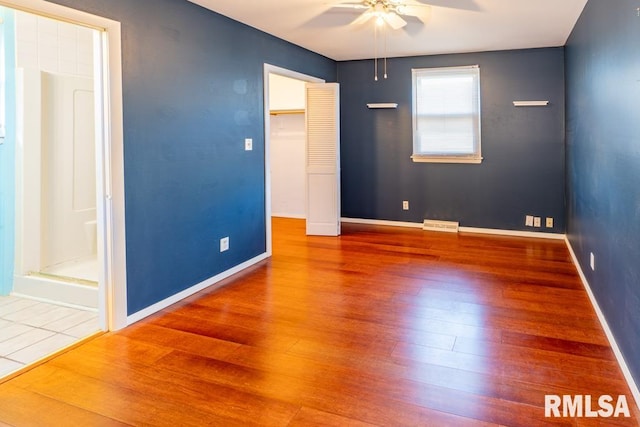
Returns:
(248, 144)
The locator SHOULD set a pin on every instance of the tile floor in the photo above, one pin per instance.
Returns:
(31, 330)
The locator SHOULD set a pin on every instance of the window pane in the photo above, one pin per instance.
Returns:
(445, 95)
(446, 112)
(452, 136)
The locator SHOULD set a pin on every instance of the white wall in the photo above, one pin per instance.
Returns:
(287, 165)
(286, 93)
(287, 147)
(68, 172)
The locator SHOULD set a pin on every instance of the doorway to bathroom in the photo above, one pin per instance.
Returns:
(56, 203)
(67, 266)
(53, 300)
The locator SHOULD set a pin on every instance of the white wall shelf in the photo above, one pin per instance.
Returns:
(383, 105)
(530, 103)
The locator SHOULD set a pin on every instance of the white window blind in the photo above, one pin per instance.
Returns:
(446, 115)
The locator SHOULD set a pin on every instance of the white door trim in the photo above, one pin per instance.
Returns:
(111, 236)
(273, 69)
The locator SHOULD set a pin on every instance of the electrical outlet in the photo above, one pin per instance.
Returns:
(537, 221)
(405, 205)
(528, 221)
(549, 222)
(248, 144)
(224, 244)
(592, 261)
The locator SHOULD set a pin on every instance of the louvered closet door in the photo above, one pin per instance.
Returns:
(323, 159)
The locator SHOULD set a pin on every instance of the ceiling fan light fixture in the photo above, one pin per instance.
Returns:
(385, 13)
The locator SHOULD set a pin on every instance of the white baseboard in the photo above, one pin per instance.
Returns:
(287, 215)
(612, 341)
(382, 222)
(514, 233)
(135, 317)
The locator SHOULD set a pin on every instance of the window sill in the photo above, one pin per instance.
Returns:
(427, 159)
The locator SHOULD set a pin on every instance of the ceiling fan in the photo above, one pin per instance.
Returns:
(388, 12)
(394, 12)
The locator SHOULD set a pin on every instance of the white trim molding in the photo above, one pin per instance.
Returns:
(444, 159)
(161, 305)
(286, 215)
(382, 222)
(513, 233)
(498, 232)
(605, 326)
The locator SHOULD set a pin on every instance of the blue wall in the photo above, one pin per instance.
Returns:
(7, 159)
(193, 90)
(523, 148)
(603, 162)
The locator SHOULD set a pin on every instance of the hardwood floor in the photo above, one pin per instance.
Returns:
(382, 326)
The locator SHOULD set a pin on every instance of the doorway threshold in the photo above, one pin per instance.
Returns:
(56, 290)
(31, 330)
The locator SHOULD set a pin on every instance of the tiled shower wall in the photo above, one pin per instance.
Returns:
(54, 47)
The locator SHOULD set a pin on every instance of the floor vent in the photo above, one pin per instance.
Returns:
(434, 225)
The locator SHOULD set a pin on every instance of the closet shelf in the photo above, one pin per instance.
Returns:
(279, 112)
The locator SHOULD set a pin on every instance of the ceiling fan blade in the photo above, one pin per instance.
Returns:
(470, 5)
(394, 20)
(362, 18)
(414, 10)
(351, 6)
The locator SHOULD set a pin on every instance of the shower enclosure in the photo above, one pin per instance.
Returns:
(56, 256)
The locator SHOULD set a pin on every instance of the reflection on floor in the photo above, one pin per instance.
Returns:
(31, 330)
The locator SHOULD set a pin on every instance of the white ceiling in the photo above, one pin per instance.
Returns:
(461, 26)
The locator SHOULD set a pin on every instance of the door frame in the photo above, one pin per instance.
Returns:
(112, 285)
(273, 69)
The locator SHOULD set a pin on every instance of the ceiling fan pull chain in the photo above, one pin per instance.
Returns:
(375, 60)
(385, 51)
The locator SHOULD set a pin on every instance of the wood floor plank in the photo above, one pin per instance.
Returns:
(174, 339)
(603, 352)
(380, 326)
(500, 386)
(329, 395)
(135, 407)
(221, 402)
(308, 417)
(44, 411)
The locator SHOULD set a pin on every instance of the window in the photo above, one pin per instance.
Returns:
(446, 115)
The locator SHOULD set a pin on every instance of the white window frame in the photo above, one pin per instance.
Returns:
(443, 156)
